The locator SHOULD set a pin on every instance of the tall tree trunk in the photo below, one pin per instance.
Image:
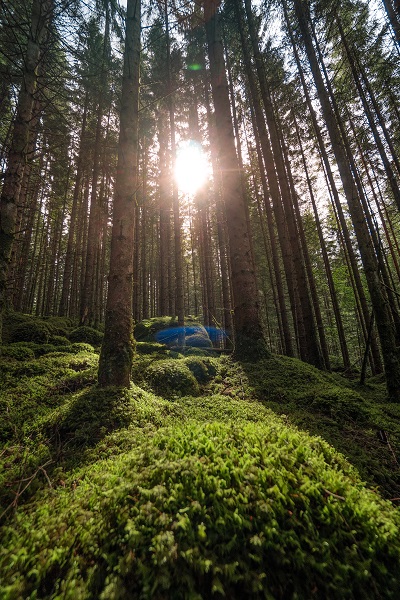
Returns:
(116, 354)
(179, 296)
(287, 342)
(393, 12)
(307, 261)
(274, 192)
(88, 299)
(360, 297)
(309, 342)
(352, 59)
(249, 336)
(223, 242)
(165, 220)
(328, 271)
(65, 292)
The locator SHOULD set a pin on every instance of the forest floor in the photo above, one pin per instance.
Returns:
(208, 478)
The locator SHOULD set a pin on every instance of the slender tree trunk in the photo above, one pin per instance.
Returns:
(360, 296)
(118, 344)
(368, 113)
(25, 213)
(88, 301)
(249, 336)
(223, 242)
(283, 312)
(179, 295)
(165, 220)
(393, 13)
(65, 292)
(328, 271)
(307, 262)
(308, 338)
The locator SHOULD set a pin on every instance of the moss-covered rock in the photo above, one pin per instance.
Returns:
(59, 340)
(87, 335)
(146, 330)
(203, 369)
(171, 378)
(59, 325)
(197, 337)
(242, 511)
(151, 348)
(30, 331)
(82, 347)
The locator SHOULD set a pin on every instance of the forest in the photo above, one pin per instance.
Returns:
(200, 299)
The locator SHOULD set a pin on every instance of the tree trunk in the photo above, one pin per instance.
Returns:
(118, 344)
(88, 298)
(308, 338)
(249, 336)
(179, 296)
(165, 220)
(360, 297)
(65, 292)
(328, 271)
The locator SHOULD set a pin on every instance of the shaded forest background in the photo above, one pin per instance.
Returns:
(314, 112)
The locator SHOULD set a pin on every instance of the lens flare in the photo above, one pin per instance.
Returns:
(191, 167)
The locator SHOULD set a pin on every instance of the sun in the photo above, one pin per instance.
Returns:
(191, 167)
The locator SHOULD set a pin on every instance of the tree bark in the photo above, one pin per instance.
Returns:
(249, 335)
(117, 350)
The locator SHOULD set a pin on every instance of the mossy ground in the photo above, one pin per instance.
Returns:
(110, 493)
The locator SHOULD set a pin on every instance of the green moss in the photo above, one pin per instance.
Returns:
(59, 325)
(208, 495)
(145, 330)
(90, 415)
(203, 369)
(35, 331)
(59, 340)
(335, 402)
(11, 320)
(82, 347)
(30, 388)
(238, 510)
(87, 335)
(16, 352)
(170, 378)
(151, 348)
(197, 337)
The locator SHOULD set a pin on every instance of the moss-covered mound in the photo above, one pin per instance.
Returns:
(87, 335)
(31, 331)
(202, 368)
(170, 378)
(29, 389)
(202, 511)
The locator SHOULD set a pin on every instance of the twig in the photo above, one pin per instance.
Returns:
(334, 495)
(29, 480)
